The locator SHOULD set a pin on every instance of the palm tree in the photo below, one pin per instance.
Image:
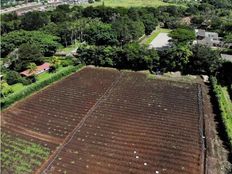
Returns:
(32, 67)
(55, 62)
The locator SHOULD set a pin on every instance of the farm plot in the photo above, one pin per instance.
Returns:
(138, 126)
(109, 122)
(47, 117)
(20, 156)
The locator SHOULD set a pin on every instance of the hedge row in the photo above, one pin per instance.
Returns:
(37, 86)
(224, 107)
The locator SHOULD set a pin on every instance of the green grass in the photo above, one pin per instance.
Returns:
(154, 34)
(20, 156)
(131, 3)
(17, 87)
(225, 106)
(70, 48)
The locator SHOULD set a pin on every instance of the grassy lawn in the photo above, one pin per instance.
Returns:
(131, 3)
(19, 86)
(149, 39)
(70, 48)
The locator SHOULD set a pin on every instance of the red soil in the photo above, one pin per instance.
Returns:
(110, 122)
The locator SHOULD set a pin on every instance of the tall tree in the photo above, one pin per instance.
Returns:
(27, 53)
(34, 20)
(182, 35)
(204, 60)
(32, 67)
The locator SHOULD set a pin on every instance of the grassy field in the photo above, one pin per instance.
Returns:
(70, 48)
(131, 3)
(19, 86)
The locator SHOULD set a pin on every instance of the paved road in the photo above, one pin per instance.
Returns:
(161, 41)
(28, 7)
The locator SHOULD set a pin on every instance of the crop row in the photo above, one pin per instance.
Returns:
(136, 129)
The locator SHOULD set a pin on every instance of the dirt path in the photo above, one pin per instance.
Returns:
(216, 155)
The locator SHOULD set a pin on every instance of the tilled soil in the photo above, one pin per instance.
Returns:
(104, 121)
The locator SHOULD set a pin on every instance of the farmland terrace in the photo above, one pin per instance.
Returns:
(105, 121)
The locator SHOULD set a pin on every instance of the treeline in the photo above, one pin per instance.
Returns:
(96, 25)
(110, 34)
(130, 56)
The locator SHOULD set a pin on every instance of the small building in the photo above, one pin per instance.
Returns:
(40, 69)
(208, 38)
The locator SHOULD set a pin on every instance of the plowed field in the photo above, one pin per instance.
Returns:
(103, 121)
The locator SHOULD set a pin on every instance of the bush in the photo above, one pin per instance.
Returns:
(13, 77)
(25, 81)
(37, 86)
(224, 107)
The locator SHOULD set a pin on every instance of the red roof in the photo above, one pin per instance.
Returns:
(40, 69)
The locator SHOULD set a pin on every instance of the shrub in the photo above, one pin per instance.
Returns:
(224, 107)
(25, 81)
(13, 77)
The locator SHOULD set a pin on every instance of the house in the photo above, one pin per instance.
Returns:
(40, 69)
(208, 38)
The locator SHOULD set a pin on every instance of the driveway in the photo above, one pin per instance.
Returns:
(161, 41)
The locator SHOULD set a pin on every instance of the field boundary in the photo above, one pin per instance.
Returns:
(202, 128)
(43, 169)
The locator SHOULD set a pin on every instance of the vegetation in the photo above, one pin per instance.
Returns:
(225, 106)
(37, 86)
(154, 34)
(131, 56)
(20, 156)
(107, 36)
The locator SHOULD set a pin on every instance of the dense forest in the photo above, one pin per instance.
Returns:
(110, 36)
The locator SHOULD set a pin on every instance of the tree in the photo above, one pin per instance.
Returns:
(32, 67)
(137, 29)
(34, 20)
(5, 89)
(55, 62)
(151, 59)
(150, 23)
(204, 60)
(175, 58)
(228, 38)
(12, 77)
(47, 43)
(27, 53)
(182, 35)
(225, 74)
(100, 34)
(122, 28)
(59, 16)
